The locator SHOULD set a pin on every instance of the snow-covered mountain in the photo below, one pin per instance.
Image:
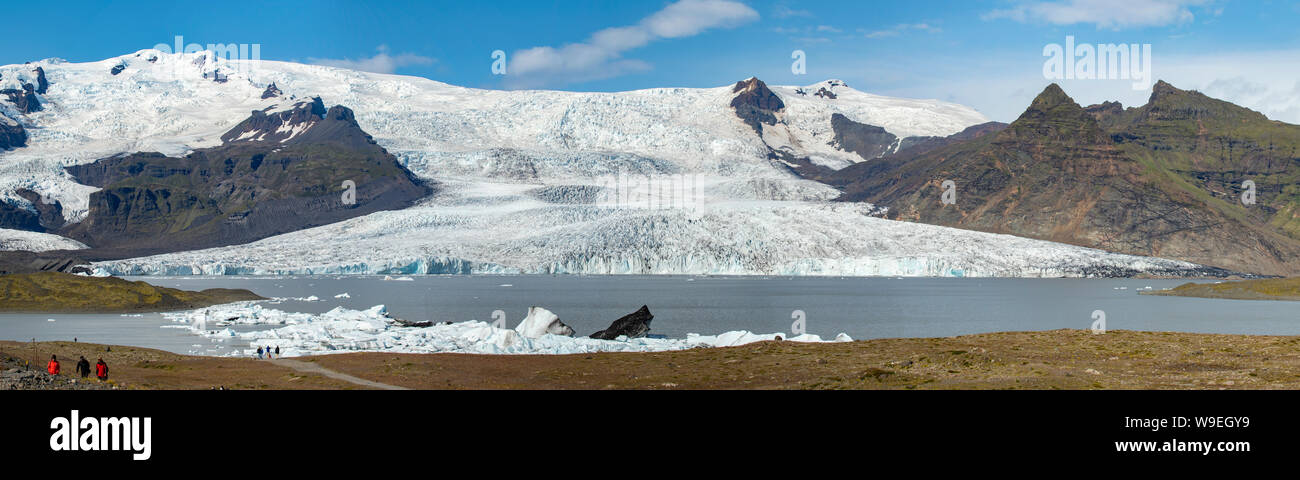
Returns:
(649, 181)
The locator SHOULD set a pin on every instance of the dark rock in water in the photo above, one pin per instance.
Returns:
(41, 83)
(118, 68)
(756, 104)
(12, 134)
(271, 91)
(633, 325)
(408, 323)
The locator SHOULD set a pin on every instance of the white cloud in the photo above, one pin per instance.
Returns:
(600, 56)
(1111, 14)
(382, 62)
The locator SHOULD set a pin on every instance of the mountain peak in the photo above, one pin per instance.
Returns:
(1055, 116)
(283, 124)
(755, 103)
(1051, 97)
(1163, 89)
(749, 85)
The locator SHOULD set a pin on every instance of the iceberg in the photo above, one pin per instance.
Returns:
(342, 330)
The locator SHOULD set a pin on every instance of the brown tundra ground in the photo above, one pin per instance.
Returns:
(1058, 359)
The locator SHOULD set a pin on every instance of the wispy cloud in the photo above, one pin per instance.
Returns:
(1108, 14)
(897, 30)
(600, 56)
(382, 62)
(783, 11)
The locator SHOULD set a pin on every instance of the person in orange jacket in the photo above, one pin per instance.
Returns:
(53, 366)
(101, 370)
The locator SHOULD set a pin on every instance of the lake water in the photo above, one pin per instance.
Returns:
(861, 307)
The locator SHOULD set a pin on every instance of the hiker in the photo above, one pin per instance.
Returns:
(83, 367)
(53, 366)
(259, 353)
(277, 350)
(101, 370)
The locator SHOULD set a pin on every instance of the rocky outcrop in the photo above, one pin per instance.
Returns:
(275, 173)
(1160, 180)
(42, 85)
(632, 325)
(280, 126)
(12, 134)
(38, 216)
(868, 141)
(755, 104)
(25, 100)
(848, 178)
(271, 91)
(28, 262)
(1105, 110)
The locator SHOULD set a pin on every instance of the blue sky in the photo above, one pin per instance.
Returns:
(986, 54)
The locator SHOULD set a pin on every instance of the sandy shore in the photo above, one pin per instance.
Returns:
(1058, 359)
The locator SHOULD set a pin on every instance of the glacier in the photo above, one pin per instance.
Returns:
(11, 240)
(656, 181)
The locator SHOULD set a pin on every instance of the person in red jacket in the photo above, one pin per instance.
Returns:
(53, 366)
(101, 370)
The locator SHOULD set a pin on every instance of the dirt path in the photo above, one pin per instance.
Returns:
(310, 367)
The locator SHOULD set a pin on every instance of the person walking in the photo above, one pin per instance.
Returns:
(277, 350)
(259, 353)
(83, 367)
(101, 370)
(53, 366)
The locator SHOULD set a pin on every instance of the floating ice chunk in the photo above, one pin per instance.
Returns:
(541, 321)
(343, 295)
